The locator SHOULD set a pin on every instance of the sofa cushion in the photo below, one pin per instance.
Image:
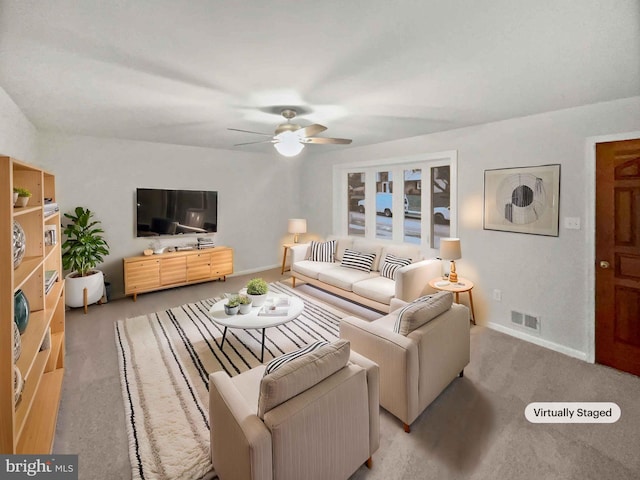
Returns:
(358, 260)
(405, 251)
(312, 269)
(342, 243)
(322, 251)
(391, 264)
(379, 289)
(344, 278)
(422, 311)
(301, 374)
(367, 246)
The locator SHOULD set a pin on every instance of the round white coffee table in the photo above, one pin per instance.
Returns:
(254, 319)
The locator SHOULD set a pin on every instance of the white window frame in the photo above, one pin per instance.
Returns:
(396, 165)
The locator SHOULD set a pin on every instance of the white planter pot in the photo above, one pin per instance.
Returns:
(74, 289)
(257, 300)
(245, 308)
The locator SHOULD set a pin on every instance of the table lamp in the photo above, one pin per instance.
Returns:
(450, 250)
(297, 226)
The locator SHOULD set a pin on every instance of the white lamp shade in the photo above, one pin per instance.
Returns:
(450, 249)
(288, 144)
(297, 225)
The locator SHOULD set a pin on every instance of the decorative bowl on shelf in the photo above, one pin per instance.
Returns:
(20, 310)
(19, 244)
(18, 385)
(17, 342)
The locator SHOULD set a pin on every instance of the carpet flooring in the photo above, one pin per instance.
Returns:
(474, 430)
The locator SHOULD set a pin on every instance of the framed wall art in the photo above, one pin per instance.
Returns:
(522, 199)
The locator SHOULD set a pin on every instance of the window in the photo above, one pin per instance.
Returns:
(385, 200)
(355, 200)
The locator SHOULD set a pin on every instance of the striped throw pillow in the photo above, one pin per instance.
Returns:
(422, 311)
(278, 362)
(391, 265)
(358, 260)
(323, 251)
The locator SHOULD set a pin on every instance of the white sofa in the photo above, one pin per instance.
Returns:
(367, 288)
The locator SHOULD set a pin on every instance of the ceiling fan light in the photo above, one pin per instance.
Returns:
(289, 144)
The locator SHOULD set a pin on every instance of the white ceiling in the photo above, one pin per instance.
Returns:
(372, 70)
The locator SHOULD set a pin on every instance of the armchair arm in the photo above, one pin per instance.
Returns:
(412, 281)
(240, 442)
(299, 252)
(373, 386)
(397, 358)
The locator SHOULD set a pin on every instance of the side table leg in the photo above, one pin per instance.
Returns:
(224, 334)
(284, 260)
(473, 315)
(262, 352)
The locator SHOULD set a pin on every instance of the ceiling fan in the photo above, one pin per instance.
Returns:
(289, 138)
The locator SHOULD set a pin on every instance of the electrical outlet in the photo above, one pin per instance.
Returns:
(572, 223)
(497, 295)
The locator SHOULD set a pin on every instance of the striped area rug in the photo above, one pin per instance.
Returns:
(165, 360)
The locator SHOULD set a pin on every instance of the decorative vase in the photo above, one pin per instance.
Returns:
(19, 244)
(20, 310)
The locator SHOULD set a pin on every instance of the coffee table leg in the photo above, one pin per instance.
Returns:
(224, 334)
(262, 352)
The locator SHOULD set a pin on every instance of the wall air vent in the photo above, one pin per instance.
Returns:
(530, 322)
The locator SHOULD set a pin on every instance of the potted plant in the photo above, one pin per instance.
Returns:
(83, 249)
(232, 305)
(257, 291)
(23, 196)
(245, 304)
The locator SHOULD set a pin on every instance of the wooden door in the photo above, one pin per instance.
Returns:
(618, 255)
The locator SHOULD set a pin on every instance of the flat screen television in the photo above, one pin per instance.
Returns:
(175, 212)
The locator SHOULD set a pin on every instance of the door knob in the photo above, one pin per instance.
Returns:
(604, 264)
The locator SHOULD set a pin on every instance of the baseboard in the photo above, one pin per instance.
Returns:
(254, 270)
(540, 341)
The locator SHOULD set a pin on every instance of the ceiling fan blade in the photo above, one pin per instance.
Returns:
(252, 143)
(321, 140)
(311, 130)
(249, 131)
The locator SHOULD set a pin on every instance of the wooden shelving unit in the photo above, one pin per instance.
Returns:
(28, 426)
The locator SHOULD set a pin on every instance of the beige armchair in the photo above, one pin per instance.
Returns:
(416, 368)
(316, 417)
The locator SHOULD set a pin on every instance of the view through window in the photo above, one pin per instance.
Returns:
(398, 196)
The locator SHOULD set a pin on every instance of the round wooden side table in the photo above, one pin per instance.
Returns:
(461, 286)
